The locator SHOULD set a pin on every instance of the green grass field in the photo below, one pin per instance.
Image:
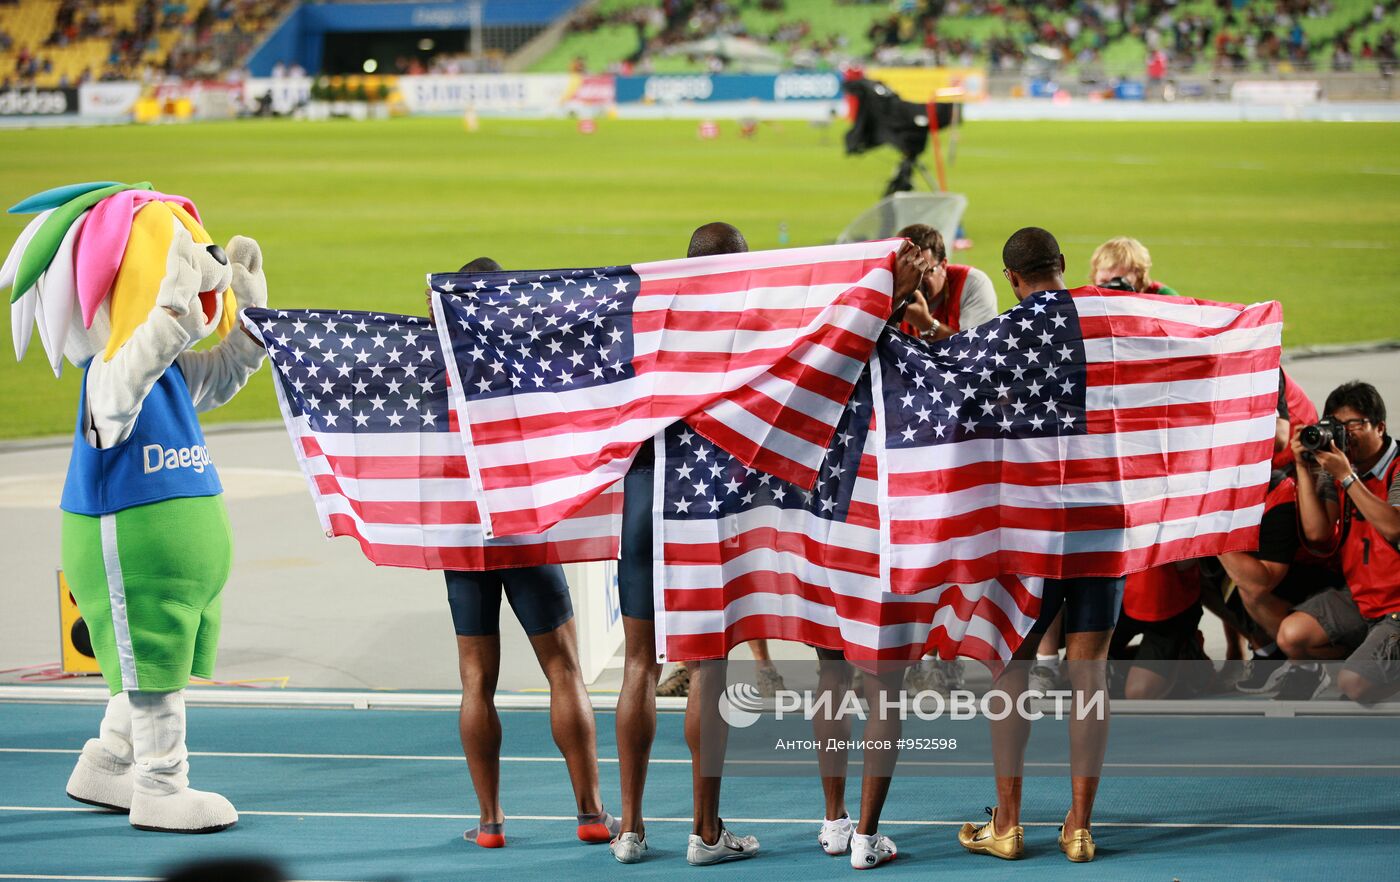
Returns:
(352, 215)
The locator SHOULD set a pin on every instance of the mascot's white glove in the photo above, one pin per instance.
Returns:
(189, 270)
(249, 283)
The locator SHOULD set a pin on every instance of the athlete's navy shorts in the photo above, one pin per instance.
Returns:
(634, 582)
(1090, 604)
(539, 596)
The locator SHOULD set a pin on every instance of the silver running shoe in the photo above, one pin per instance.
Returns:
(727, 847)
(628, 848)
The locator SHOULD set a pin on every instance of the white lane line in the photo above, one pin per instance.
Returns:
(471, 817)
(103, 878)
(349, 756)
(1360, 767)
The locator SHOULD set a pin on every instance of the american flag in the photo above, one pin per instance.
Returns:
(364, 397)
(1086, 432)
(561, 375)
(747, 555)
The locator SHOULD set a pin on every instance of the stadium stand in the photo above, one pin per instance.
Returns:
(57, 43)
(1193, 35)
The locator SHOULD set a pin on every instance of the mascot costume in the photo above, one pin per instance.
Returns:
(123, 281)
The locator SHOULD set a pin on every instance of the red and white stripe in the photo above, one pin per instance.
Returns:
(758, 351)
(407, 499)
(791, 575)
(1181, 407)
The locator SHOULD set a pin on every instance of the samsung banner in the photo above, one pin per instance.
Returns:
(505, 93)
(523, 94)
(483, 92)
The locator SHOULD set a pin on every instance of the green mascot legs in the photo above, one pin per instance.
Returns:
(148, 581)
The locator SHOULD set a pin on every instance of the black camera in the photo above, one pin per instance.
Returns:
(1326, 432)
(1118, 283)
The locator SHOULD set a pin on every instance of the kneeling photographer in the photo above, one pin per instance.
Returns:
(1350, 506)
(1124, 264)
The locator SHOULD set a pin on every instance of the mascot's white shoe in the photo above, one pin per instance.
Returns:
(104, 776)
(162, 799)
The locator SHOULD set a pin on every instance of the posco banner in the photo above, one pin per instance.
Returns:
(676, 88)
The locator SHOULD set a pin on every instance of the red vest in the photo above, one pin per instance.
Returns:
(1285, 492)
(1300, 413)
(1161, 592)
(1370, 564)
(949, 308)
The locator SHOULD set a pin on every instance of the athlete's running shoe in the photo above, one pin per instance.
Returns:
(628, 848)
(835, 836)
(1008, 846)
(727, 847)
(487, 835)
(869, 852)
(1078, 845)
(598, 828)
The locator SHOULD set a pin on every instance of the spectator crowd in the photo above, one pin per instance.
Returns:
(160, 38)
(174, 38)
(1259, 36)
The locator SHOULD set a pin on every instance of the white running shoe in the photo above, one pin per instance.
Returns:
(869, 852)
(727, 847)
(835, 836)
(628, 848)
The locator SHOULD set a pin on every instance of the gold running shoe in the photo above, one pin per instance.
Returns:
(1078, 845)
(1009, 846)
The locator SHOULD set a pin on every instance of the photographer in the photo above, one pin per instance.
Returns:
(1351, 505)
(951, 297)
(1126, 265)
(1270, 582)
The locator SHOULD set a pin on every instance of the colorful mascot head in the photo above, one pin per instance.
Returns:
(88, 267)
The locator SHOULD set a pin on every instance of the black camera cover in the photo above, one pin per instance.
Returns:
(882, 117)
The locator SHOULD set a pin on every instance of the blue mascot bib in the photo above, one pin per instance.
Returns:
(164, 457)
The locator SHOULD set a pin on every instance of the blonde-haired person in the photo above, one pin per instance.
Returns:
(1126, 259)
